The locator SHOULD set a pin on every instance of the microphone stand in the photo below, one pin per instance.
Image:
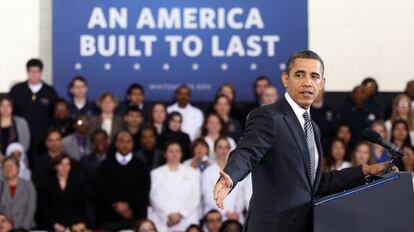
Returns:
(388, 168)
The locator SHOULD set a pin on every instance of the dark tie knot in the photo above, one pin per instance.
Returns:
(306, 116)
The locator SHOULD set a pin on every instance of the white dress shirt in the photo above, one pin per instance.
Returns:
(344, 164)
(123, 159)
(193, 119)
(299, 111)
(35, 88)
(210, 142)
(107, 125)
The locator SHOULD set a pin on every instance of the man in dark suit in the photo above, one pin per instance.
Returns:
(281, 148)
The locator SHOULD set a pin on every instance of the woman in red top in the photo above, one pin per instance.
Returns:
(17, 196)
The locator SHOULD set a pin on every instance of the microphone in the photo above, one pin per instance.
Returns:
(373, 137)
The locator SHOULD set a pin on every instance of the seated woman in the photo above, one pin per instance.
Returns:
(17, 196)
(173, 132)
(107, 119)
(145, 225)
(231, 226)
(199, 150)
(361, 154)
(16, 150)
(213, 128)
(234, 203)
(61, 198)
(337, 155)
(408, 159)
(158, 117)
(379, 153)
(12, 128)
(222, 106)
(175, 193)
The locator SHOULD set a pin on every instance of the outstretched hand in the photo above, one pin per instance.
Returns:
(222, 188)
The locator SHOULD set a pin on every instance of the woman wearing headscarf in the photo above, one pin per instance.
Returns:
(17, 150)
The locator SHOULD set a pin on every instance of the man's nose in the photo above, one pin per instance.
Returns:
(307, 81)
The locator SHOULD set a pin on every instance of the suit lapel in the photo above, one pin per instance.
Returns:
(297, 132)
(6, 192)
(320, 151)
(19, 191)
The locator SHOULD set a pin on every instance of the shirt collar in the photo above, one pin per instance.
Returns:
(123, 159)
(36, 87)
(299, 111)
(185, 108)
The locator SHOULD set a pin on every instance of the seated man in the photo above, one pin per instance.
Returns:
(122, 187)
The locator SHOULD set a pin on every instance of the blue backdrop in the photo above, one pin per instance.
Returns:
(163, 43)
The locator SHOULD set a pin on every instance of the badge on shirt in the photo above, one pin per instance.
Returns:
(44, 101)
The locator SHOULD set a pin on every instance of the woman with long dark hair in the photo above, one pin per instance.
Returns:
(173, 132)
(158, 117)
(222, 106)
(61, 199)
(337, 155)
(12, 128)
(213, 128)
(400, 133)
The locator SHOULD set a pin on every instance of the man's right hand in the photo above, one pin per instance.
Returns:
(222, 189)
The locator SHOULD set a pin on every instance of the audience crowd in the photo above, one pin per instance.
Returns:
(70, 163)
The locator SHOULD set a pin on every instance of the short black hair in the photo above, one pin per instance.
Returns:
(78, 221)
(133, 109)
(98, 131)
(78, 78)
(229, 222)
(34, 63)
(370, 79)
(63, 101)
(208, 213)
(305, 54)
(173, 114)
(183, 87)
(149, 127)
(194, 226)
(52, 130)
(261, 78)
(135, 86)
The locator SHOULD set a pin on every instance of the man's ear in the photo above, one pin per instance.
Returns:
(284, 78)
(323, 83)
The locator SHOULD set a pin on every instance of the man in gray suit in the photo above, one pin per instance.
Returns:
(281, 147)
(77, 144)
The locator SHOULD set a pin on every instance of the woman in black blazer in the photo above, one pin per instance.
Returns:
(174, 133)
(61, 200)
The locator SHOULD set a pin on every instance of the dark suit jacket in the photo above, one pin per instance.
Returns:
(273, 148)
(61, 206)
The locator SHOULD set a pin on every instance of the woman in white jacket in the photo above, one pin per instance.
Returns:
(175, 193)
(235, 202)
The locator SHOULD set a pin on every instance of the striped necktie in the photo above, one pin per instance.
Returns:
(310, 141)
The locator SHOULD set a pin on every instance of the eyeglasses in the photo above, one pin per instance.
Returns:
(403, 104)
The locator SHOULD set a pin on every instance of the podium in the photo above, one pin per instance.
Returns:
(384, 205)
